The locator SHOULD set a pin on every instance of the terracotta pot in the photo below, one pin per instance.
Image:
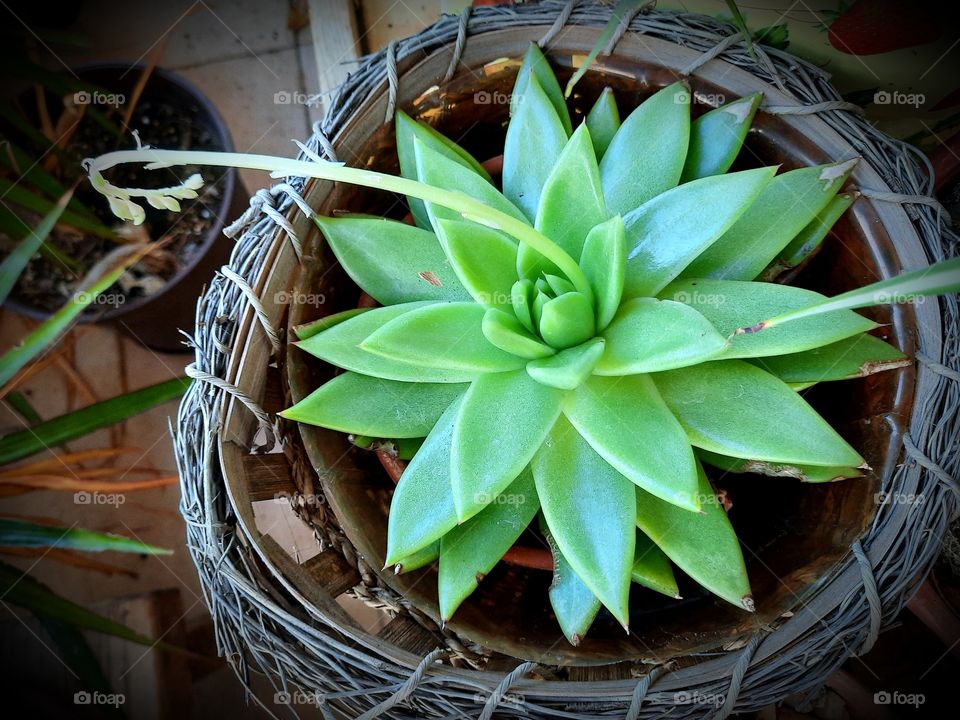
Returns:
(795, 535)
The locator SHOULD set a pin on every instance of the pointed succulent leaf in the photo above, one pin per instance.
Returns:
(651, 568)
(717, 136)
(419, 559)
(536, 64)
(596, 536)
(703, 545)
(808, 241)
(340, 346)
(409, 129)
(364, 405)
(667, 233)
(649, 335)
(391, 261)
(422, 509)
(535, 139)
(602, 261)
(558, 285)
(567, 320)
(483, 259)
(804, 473)
(573, 603)
(733, 304)
(857, 356)
(470, 550)
(603, 121)
(441, 335)
(568, 368)
(734, 408)
(658, 132)
(536, 307)
(784, 208)
(521, 296)
(627, 423)
(315, 327)
(504, 418)
(507, 333)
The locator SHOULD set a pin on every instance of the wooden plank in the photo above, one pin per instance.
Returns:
(267, 476)
(406, 633)
(336, 41)
(332, 572)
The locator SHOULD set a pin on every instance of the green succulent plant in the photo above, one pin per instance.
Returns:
(577, 346)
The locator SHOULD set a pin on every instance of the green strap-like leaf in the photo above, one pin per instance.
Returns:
(804, 473)
(783, 209)
(651, 568)
(364, 405)
(573, 603)
(470, 550)
(502, 422)
(571, 203)
(649, 335)
(507, 333)
(808, 241)
(536, 64)
(858, 356)
(627, 423)
(732, 304)
(315, 327)
(407, 130)
(590, 509)
(569, 368)
(567, 320)
(14, 263)
(422, 508)
(667, 233)
(603, 121)
(602, 261)
(717, 136)
(484, 260)
(535, 139)
(442, 335)
(645, 157)
(391, 261)
(22, 533)
(703, 545)
(340, 346)
(734, 408)
(419, 559)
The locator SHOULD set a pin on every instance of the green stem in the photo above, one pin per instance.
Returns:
(285, 167)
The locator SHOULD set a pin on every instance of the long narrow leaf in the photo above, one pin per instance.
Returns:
(17, 260)
(22, 533)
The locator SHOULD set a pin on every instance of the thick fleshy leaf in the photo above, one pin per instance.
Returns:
(784, 208)
(733, 304)
(535, 139)
(502, 422)
(419, 559)
(602, 261)
(703, 545)
(603, 121)
(645, 157)
(571, 203)
(590, 509)
(340, 345)
(667, 233)
(649, 335)
(364, 405)
(858, 356)
(407, 130)
(734, 408)
(315, 327)
(573, 603)
(534, 63)
(567, 320)
(422, 508)
(558, 285)
(808, 241)
(804, 473)
(521, 296)
(507, 333)
(391, 261)
(717, 136)
(470, 550)
(441, 335)
(651, 568)
(484, 260)
(626, 421)
(568, 368)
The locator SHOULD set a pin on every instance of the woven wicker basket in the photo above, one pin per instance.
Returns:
(815, 608)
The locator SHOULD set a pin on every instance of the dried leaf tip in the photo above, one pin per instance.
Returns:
(748, 604)
(750, 330)
(575, 639)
